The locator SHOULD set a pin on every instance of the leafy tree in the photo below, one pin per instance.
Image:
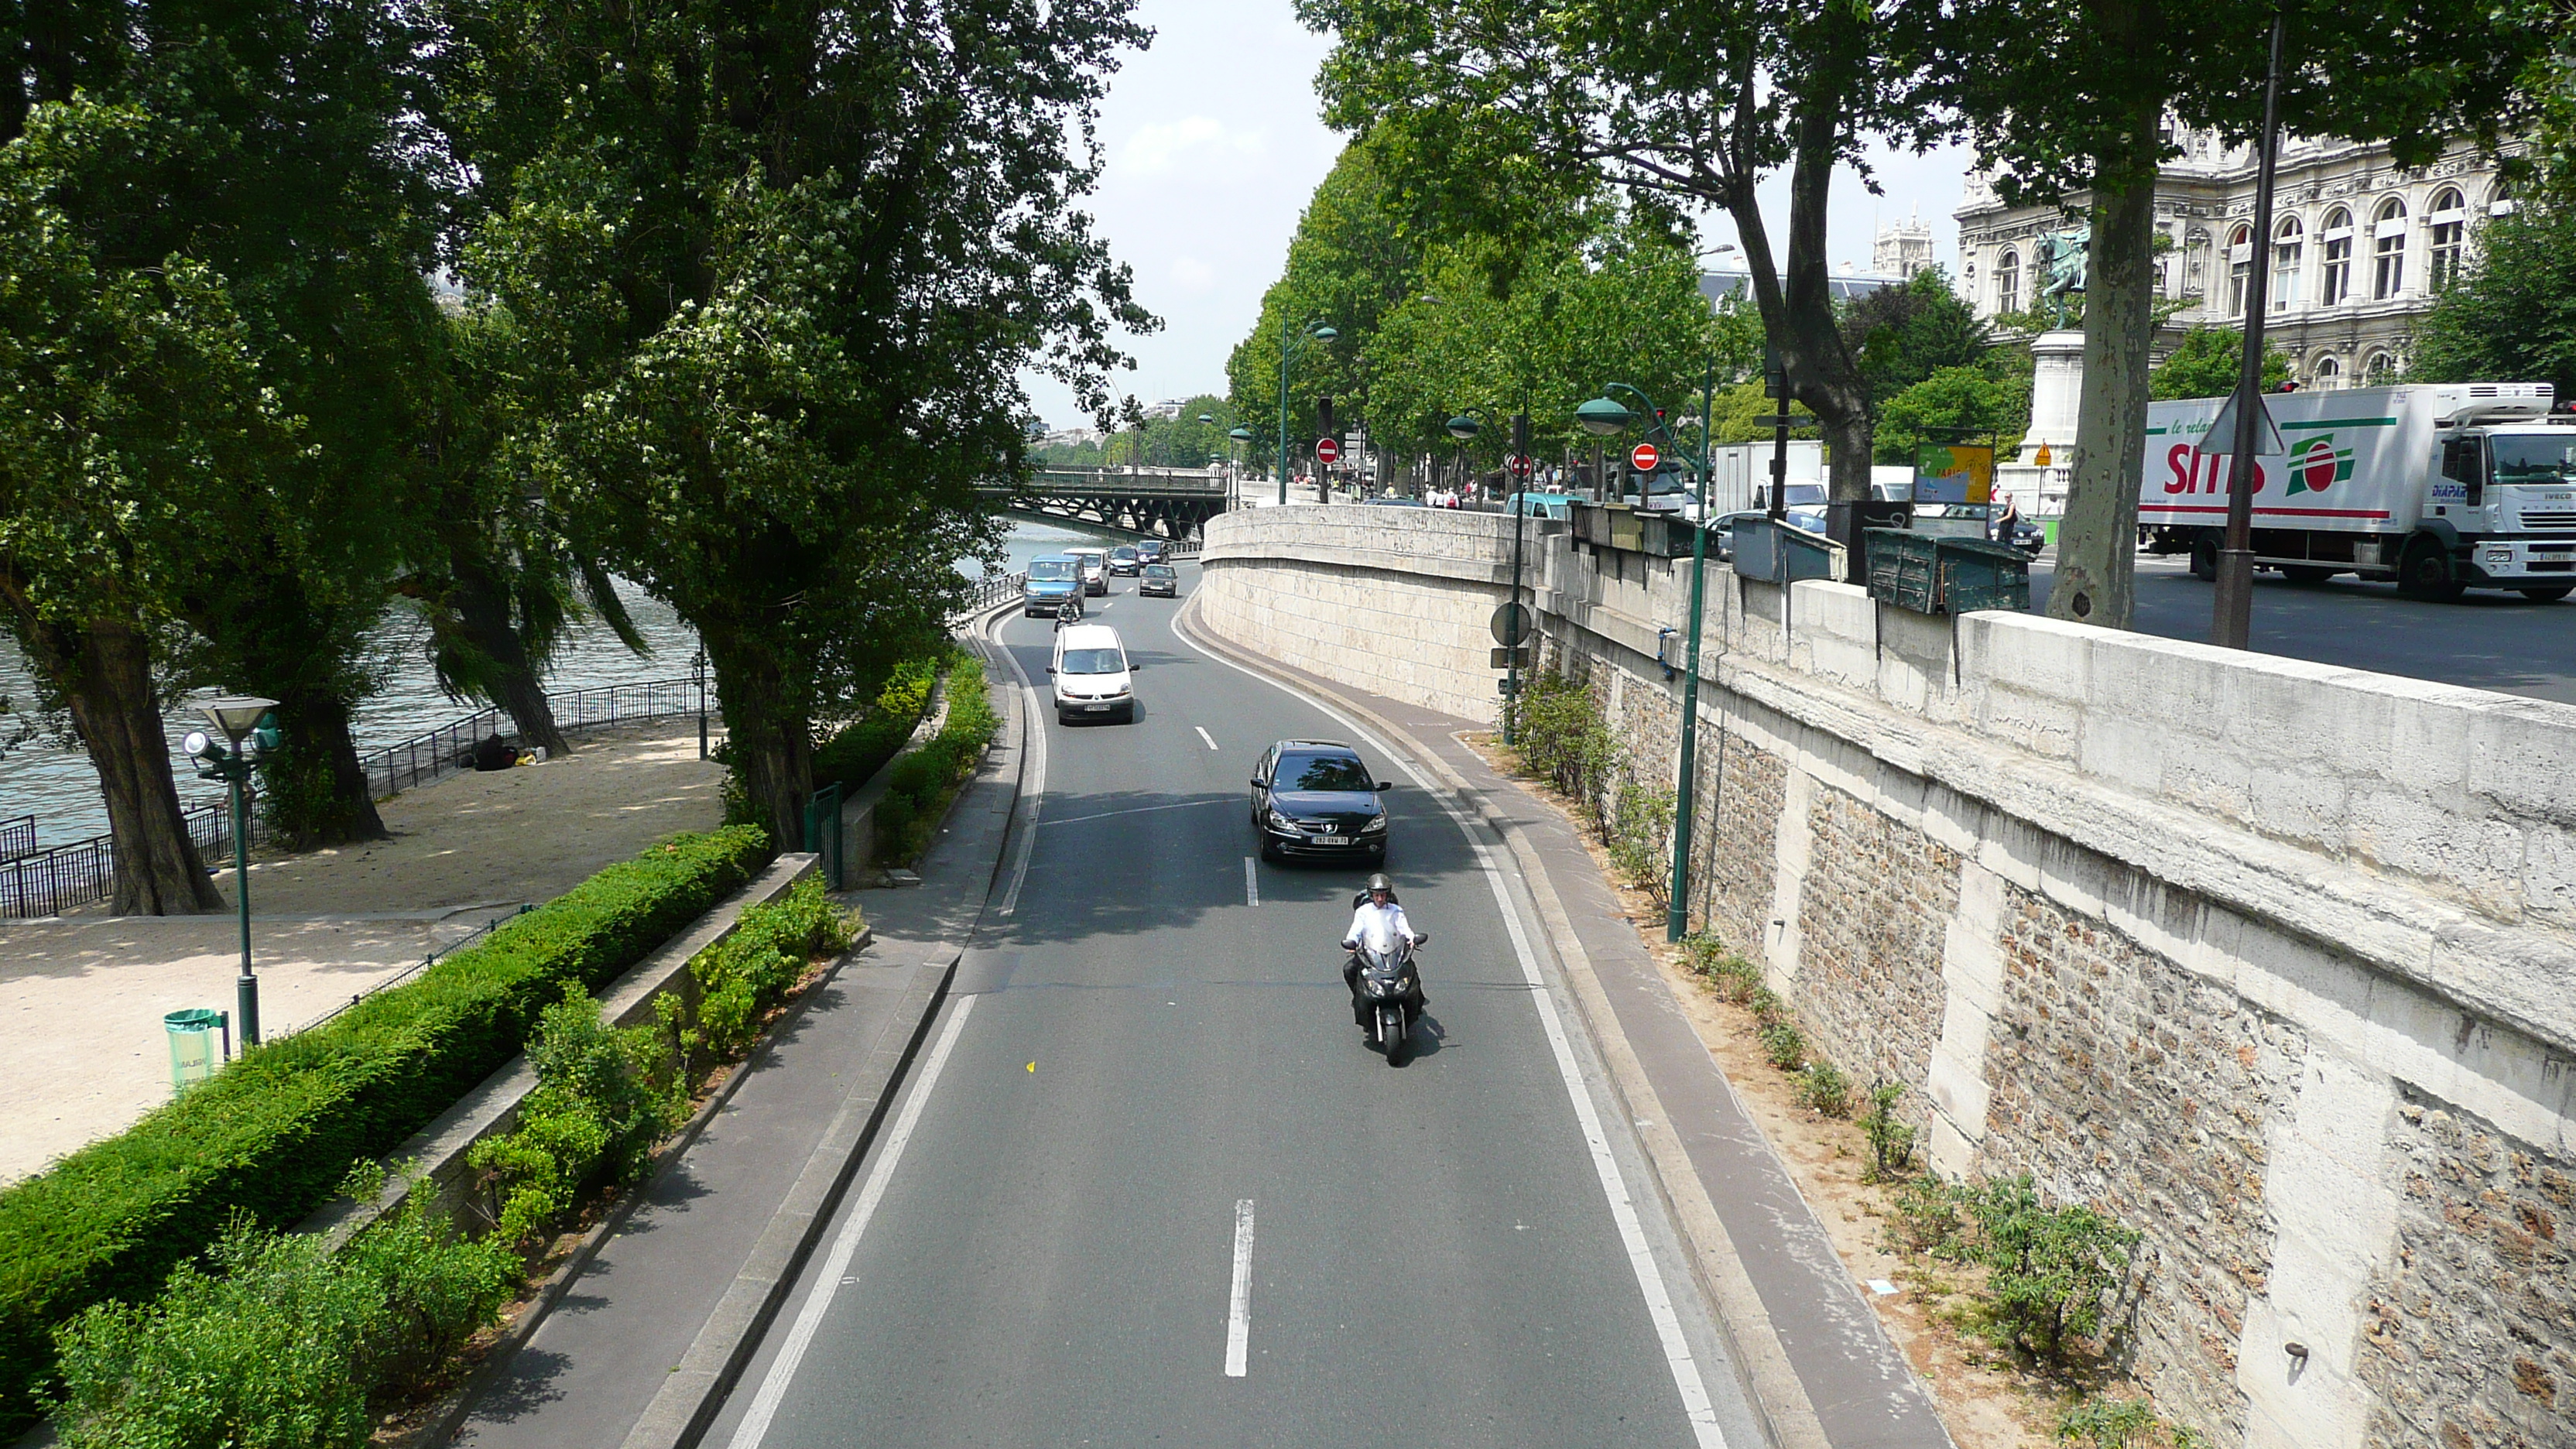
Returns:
(1176, 442)
(2068, 103)
(1489, 110)
(2513, 315)
(774, 295)
(2208, 363)
(1743, 414)
(1904, 334)
(1959, 404)
(217, 226)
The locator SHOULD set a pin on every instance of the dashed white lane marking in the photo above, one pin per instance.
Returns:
(1203, 734)
(1238, 1314)
(1251, 881)
(773, 1389)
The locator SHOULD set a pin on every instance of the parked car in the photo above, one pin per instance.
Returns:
(1092, 675)
(1095, 568)
(1053, 582)
(1160, 580)
(1314, 798)
(1397, 502)
(1806, 509)
(1124, 560)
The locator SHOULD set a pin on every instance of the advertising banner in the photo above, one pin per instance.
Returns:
(1954, 473)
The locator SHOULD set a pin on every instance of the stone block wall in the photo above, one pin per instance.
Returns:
(2273, 961)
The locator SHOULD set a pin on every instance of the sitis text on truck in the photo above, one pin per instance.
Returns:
(2439, 486)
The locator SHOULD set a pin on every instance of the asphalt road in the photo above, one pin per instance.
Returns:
(2487, 640)
(1155, 1047)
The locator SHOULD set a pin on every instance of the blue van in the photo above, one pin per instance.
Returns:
(1053, 581)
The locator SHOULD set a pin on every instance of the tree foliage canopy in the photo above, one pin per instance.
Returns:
(2512, 317)
(2208, 363)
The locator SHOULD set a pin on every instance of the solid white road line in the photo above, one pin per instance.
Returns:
(1033, 777)
(1696, 1405)
(1203, 734)
(1251, 881)
(773, 1389)
(1238, 1313)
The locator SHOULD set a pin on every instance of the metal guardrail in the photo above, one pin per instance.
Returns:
(17, 837)
(50, 881)
(993, 589)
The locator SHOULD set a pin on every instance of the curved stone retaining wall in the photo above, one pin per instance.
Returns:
(2274, 961)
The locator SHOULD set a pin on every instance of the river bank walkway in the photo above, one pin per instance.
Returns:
(82, 995)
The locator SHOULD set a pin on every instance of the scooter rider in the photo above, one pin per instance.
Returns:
(1378, 923)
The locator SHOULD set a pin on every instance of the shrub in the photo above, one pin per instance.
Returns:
(1640, 828)
(742, 976)
(603, 1097)
(1563, 739)
(920, 782)
(2116, 1424)
(1766, 1005)
(282, 1344)
(1926, 1220)
(1782, 1046)
(1824, 1089)
(853, 755)
(271, 1135)
(2050, 1271)
(1891, 1142)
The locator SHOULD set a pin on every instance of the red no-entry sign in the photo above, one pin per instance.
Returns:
(1327, 451)
(1520, 465)
(1643, 457)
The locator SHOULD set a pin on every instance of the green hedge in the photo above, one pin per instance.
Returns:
(920, 780)
(854, 755)
(271, 1136)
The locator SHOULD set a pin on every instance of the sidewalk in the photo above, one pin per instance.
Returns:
(648, 1326)
(1843, 1382)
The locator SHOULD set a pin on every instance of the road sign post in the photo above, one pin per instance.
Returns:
(1644, 457)
(1327, 451)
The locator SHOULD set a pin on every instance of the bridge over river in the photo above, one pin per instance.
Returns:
(1164, 502)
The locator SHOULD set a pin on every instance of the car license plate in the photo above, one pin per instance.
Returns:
(1329, 840)
(1095, 706)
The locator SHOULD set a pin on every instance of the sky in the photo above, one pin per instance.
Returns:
(1213, 144)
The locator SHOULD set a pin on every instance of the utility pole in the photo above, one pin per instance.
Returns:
(2232, 609)
(1677, 903)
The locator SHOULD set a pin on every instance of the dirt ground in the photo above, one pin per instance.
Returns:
(82, 995)
(1985, 1402)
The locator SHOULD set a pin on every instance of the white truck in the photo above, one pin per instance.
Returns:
(2439, 486)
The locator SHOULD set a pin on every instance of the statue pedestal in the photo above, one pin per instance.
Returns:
(2057, 378)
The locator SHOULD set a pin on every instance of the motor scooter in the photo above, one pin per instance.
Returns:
(1386, 996)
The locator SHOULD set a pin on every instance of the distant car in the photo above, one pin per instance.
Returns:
(1153, 550)
(1160, 579)
(1053, 582)
(1092, 672)
(1314, 798)
(1124, 560)
(1558, 506)
(1095, 568)
(1806, 510)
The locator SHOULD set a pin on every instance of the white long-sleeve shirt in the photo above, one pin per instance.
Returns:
(1379, 928)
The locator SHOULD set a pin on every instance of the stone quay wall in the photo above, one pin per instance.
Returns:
(2275, 962)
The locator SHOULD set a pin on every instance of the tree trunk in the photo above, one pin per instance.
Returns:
(482, 604)
(104, 670)
(2097, 544)
(774, 754)
(319, 793)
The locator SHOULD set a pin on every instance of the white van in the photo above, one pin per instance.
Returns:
(1091, 672)
(1095, 568)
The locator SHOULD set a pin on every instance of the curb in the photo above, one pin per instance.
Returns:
(460, 1401)
(1779, 1398)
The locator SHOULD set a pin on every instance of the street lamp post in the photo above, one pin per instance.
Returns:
(238, 716)
(1288, 349)
(1464, 428)
(1603, 415)
(2232, 609)
(1234, 467)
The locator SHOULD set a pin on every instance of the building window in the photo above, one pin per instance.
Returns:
(2448, 228)
(2500, 200)
(2240, 268)
(2287, 246)
(2380, 370)
(2008, 281)
(2329, 374)
(2388, 251)
(2338, 275)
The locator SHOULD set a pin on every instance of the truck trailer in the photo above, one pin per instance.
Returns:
(2439, 486)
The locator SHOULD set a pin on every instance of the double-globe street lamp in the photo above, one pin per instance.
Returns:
(1241, 439)
(1290, 344)
(238, 716)
(1602, 416)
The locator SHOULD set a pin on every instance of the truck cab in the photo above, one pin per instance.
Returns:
(2504, 503)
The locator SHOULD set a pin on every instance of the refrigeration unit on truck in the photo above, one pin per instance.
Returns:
(2439, 486)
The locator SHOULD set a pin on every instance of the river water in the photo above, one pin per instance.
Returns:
(46, 774)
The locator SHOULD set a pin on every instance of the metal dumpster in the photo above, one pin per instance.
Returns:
(1776, 553)
(1929, 574)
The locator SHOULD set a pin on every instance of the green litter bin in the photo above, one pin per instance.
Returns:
(192, 1046)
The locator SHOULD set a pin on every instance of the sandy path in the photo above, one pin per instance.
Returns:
(82, 996)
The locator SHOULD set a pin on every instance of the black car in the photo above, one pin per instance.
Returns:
(1159, 579)
(1124, 560)
(1314, 799)
(1153, 550)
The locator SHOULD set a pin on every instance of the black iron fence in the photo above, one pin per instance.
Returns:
(47, 882)
(17, 837)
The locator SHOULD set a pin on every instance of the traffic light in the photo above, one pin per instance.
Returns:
(1324, 416)
(1520, 435)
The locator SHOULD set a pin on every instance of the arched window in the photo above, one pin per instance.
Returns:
(2288, 247)
(2240, 268)
(2337, 237)
(2388, 250)
(2008, 281)
(2500, 201)
(2329, 373)
(2448, 228)
(2380, 370)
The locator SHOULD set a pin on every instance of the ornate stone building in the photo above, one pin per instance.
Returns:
(2360, 246)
